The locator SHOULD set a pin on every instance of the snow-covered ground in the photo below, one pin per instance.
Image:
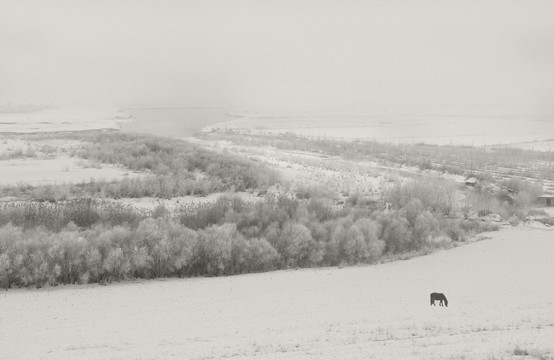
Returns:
(50, 161)
(445, 129)
(336, 175)
(545, 146)
(180, 204)
(60, 170)
(500, 291)
(63, 119)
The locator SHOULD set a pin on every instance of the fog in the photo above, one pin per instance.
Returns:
(416, 55)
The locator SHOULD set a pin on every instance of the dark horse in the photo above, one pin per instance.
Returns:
(440, 297)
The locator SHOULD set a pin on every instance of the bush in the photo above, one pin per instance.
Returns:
(312, 192)
(371, 231)
(537, 212)
(66, 253)
(151, 235)
(422, 223)
(172, 168)
(351, 245)
(55, 216)
(93, 241)
(260, 256)
(396, 235)
(214, 250)
(297, 247)
(436, 194)
(453, 230)
(519, 185)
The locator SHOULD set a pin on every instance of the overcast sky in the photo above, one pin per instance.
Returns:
(425, 55)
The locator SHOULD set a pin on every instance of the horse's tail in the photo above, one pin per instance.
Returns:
(445, 301)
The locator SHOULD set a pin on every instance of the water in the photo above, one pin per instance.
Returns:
(172, 122)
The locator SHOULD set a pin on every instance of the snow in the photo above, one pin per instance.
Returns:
(500, 293)
(59, 170)
(179, 204)
(477, 130)
(545, 146)
(50, 161)
(63, 119)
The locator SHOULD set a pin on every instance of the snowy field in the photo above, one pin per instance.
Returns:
(431, 129)
(63, 119)
(61, 170)
(50, 161)
(500, 291)
(545, 146)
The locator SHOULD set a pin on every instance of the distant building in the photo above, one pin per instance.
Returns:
(547, 199)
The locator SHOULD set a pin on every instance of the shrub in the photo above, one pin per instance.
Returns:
(516, 185)
(213, 250)
(94, 241)
(520, 351)
(215, 213)
(371, 231)
(160, 211)
(66, 253)
(537, 212)
(424, 227)
(5, 270)
(312, 192)
(116, 264)
(436, 194)
(260, 256)
(182, 242)
(151, 235)
(11, 256)
(453, 230)
(396, 234)
(352, 245)
(171, 169)
(548, 221)
(321, 209)
(297, 247)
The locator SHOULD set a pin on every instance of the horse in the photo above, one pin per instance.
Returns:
(440, 297)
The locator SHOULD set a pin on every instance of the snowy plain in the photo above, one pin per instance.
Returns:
(500, 291)
(67, 118)
(447, 129)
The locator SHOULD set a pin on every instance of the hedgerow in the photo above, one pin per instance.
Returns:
(90, 242)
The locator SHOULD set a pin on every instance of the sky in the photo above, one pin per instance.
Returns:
(424, 55)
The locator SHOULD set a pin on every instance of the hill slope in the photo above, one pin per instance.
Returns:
(500, 291)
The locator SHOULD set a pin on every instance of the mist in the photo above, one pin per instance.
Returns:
(430, 55)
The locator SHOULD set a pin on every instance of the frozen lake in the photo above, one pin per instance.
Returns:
(432, 129)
